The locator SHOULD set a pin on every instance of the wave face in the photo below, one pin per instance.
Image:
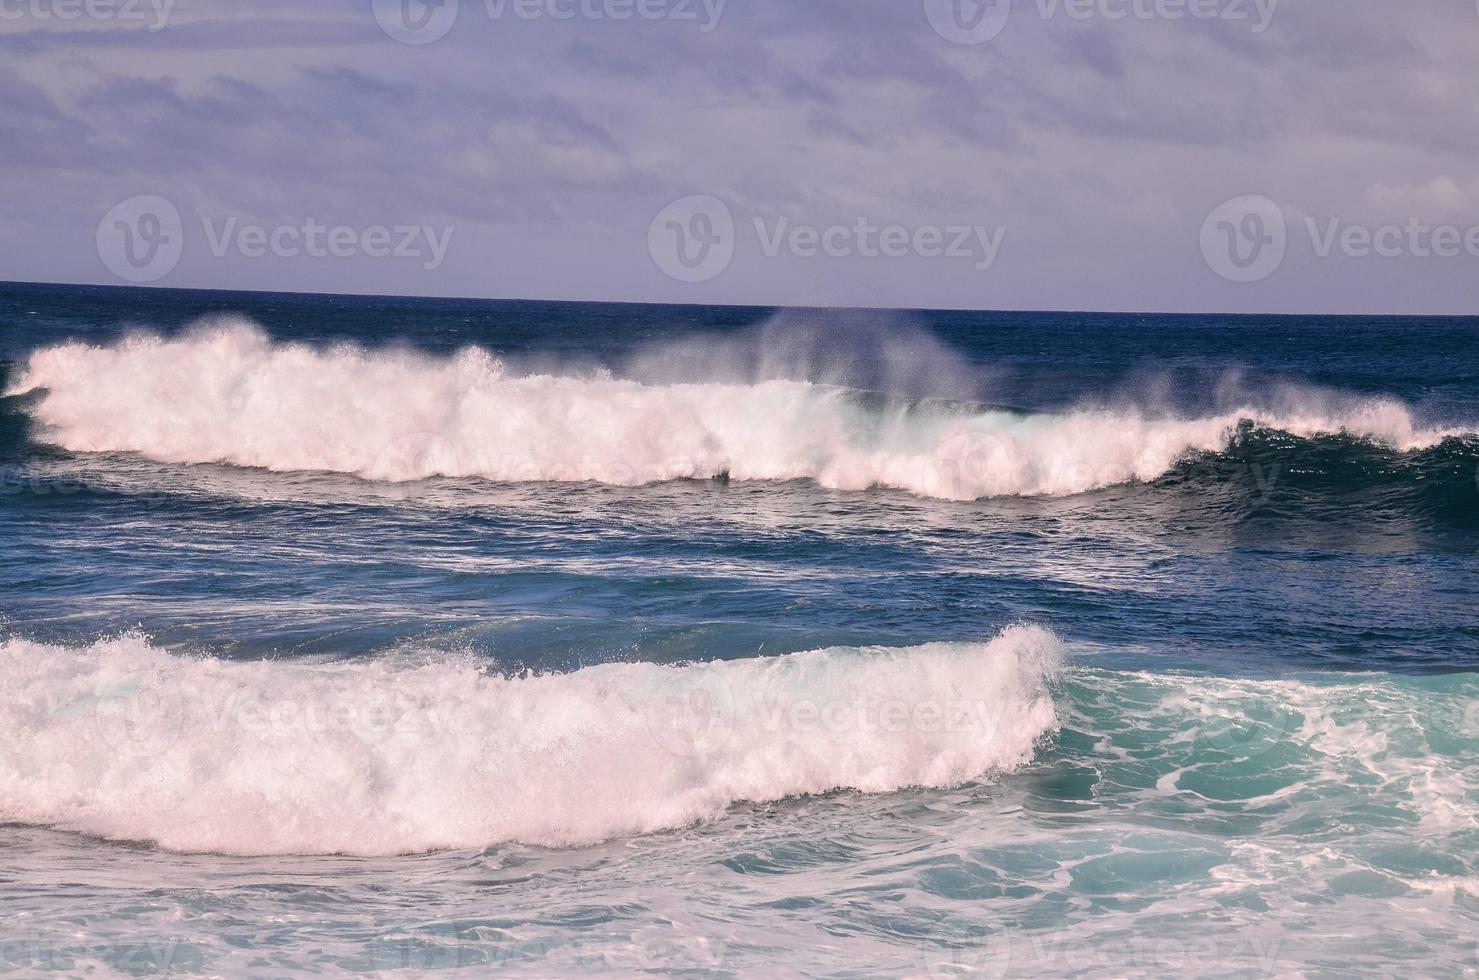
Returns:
(127, 741)
(229, 394)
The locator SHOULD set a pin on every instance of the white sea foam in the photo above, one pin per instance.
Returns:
(127, 741)
(227, 393)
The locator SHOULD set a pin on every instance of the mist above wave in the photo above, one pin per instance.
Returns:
(781, 405)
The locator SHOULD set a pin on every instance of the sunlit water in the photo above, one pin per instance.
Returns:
(370, 704)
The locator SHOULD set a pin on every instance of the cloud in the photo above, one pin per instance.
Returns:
(1439, 197)
(201, 35)
(1100, 144)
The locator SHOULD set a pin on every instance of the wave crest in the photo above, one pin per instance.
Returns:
(229, 394)
(127, 741)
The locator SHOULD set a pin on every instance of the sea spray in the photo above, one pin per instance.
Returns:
(230, 394)
(127, 741)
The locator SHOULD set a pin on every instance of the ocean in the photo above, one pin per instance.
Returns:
(423, 637)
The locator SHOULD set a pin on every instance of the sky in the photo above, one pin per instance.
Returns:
(1299, 156)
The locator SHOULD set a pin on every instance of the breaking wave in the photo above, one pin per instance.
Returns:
(397, 755)
(230, 394)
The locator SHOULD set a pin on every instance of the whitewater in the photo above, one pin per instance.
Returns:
(227, 393)
(438, 637)
(126, 741)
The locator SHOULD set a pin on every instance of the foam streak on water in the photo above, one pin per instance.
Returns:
(1289, 812)
(412, 637)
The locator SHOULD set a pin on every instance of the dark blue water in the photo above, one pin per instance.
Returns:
(1247, 545)
(1326, 551)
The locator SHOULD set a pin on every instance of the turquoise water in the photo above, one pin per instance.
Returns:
(417, 637)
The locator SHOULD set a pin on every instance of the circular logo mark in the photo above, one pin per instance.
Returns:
(416, 21)
(1247, 732)
(988, 956)
(381, 716)
(1245, 239)
(692, 712)
(414, 456)
(141, 239)
(692, 240)
(140, 715)
(969, 21)
(441, 949)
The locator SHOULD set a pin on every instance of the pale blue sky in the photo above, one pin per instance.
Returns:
(1095, 147)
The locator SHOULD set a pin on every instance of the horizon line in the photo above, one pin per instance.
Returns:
(739, 306)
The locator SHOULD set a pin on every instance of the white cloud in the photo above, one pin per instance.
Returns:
(1100, 145)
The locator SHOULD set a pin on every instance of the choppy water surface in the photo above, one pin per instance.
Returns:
(422, 636)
